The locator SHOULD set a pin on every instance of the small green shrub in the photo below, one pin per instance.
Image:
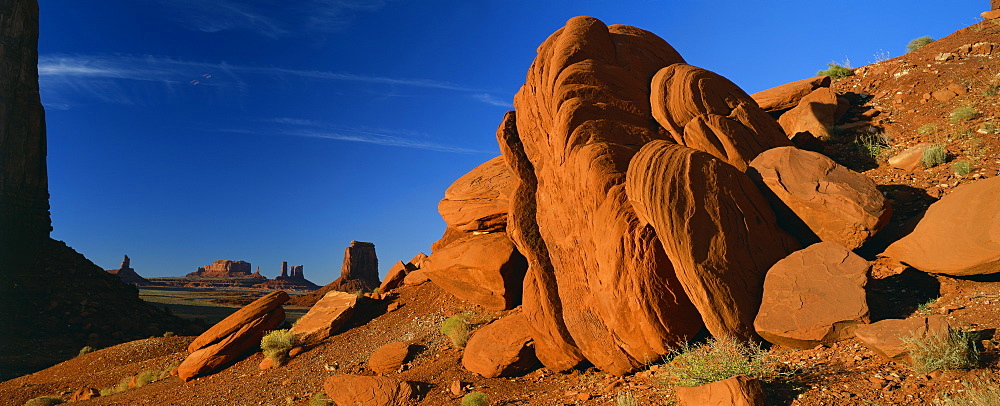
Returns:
(872, 145)
(626, 399)
(476, 399)
(991, 90)
(122, 386)
(918, 43)
(980, 393)
(836, 71)
(962, 167)
(169, 334)
(927, 130)
(457, 329)
(146, 377)
(964, 113)
(933, 156)
(320, 399)
(720, 359)
(276, 345)
(954, 350)
(86, 350)
(44, 401)
(924, 308)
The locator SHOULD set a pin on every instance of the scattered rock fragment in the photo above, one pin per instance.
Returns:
(479, 200)
(815, 113)
(909, 159)
(814, 296)
(958, 235)
(788, 95)
(348, 389)
(740, 390)
(886, 337)
(835, 203)
(253, 311)
(396, 276)
(502, 348)
(389, 358)
(84, 393)
(484, 269)
(212, 357)
(325, 317)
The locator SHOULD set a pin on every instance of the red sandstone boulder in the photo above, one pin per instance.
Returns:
(909, 159)
(886, 337)
(484, 269)
(815, 114)
(715, 226)
(502, 348)
(740, 390)
(788, 95)
(368, 391)
(325, 317)
(395, 276)
(958, 235)
(479, 200)
(418, 260)
(84, 393)
(990, 15)
(814, 296)
(581, 116)
(415, 278)
(389, 358)
(835, 203)
(451, 234)
(253, 311)
(707, 112)
(211, 358)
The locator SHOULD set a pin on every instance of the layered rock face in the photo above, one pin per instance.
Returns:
(707, 112)
(581, 115)
(705, 212)
(223, 268)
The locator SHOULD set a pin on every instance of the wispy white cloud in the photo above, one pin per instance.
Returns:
(269, 18)
(489, 99)
(315, 129)
(99, 75)
(222, 15)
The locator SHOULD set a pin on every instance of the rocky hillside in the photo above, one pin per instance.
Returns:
(641, 203)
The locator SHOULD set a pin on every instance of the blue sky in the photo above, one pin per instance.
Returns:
(186, 131)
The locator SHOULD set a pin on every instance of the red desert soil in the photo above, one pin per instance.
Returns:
(895, 96)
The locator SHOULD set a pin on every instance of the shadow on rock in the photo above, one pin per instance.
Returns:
(897, 296)
(908, 207)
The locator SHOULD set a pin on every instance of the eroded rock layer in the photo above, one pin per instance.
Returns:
(581, 116)
(711, 220)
